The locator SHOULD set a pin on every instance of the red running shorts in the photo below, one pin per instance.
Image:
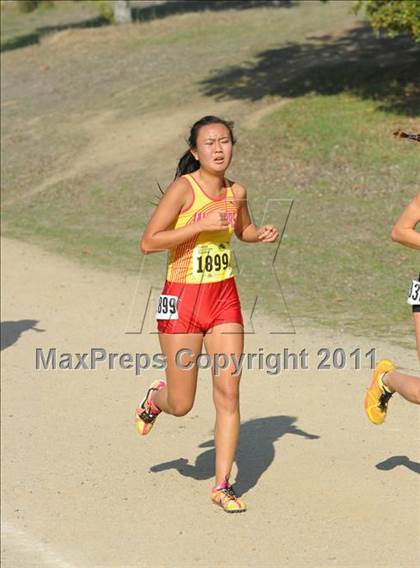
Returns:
(196, 308)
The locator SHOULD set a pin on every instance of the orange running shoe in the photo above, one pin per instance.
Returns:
(145, 418)
(225, 497)
(377, 396)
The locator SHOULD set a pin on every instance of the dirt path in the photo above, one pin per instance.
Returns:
(82, 489)
(137, 139)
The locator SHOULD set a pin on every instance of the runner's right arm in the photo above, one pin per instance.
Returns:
(160, 235)
(404, 230)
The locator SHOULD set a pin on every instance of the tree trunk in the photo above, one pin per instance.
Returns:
(122, 12)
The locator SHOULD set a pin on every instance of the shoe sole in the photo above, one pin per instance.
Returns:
(140, 426)
(373, 382)
(369, 405)
(227, 511)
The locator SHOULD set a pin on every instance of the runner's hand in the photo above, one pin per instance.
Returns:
(267, 234)
(214, 221)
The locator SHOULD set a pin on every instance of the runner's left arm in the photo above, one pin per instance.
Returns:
(404, 230)
(247, 231)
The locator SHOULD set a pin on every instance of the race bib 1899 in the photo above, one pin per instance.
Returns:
(414, 294)
(212, 261)
(167, 308)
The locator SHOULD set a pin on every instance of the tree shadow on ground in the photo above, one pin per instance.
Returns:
(36, 36)
(380, 69)
(171, 7)
(145, 12)
(254, 456)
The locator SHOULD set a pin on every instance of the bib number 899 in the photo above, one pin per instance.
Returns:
(167, 307)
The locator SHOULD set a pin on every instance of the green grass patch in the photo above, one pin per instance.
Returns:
(351, 180)
(23, 29)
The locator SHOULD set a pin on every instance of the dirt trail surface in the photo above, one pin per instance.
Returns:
(323, 486)
(134, 138)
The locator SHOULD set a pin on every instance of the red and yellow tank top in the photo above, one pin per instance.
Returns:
(207, 257)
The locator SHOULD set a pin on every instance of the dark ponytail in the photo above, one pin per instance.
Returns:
(188, 163)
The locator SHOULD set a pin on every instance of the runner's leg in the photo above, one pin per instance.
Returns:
(226, 394)
(407, 386)
(177, 398)
(416, 318)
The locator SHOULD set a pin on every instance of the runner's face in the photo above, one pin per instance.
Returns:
(214, 148)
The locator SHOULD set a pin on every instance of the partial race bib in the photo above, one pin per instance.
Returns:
(212, 261)
(167, 308)
(414, 294)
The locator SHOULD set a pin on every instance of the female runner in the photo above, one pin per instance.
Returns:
(386, 379)
(195, 220)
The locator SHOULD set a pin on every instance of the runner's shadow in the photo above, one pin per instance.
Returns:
(11, 331)
(254, 455)
(395, 461)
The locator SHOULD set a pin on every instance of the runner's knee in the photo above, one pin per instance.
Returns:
(226, 400)
(179, 408)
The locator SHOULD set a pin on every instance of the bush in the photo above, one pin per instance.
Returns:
(31, 5)
(394, 16)
(105, 10)
(28, 5)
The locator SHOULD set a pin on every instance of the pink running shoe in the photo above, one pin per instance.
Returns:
(145, 418)
(224, 496)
